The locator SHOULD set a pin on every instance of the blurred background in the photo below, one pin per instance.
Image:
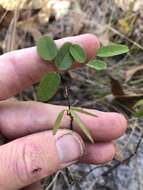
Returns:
(118, 88)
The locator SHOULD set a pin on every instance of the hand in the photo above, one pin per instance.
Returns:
(32, 151)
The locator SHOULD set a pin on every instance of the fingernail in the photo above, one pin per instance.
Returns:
(70, 148)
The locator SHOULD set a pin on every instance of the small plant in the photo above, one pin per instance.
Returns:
(64, 58)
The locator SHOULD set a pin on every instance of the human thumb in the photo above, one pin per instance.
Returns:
(31, 158)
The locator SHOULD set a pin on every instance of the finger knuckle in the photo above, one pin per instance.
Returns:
(29, 167)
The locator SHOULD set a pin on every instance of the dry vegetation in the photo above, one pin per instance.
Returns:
(21, 24)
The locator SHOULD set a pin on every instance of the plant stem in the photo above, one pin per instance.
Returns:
(67, 98)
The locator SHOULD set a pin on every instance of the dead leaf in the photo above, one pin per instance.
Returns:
(21, 4)
(125, 5)
(129, 100)
(77, 21)
(58, 8)
(116, 87)
(133, 71)
(126, 24)
(31, 25)
(126, 99)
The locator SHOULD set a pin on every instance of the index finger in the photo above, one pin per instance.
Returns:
(22, 68)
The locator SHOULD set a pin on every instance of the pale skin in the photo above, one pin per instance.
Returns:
(32, 152)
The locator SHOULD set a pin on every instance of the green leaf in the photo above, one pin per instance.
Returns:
(97, 64)
(64, 60)
(47, 48)
(112, 50)
(82, 126)
(48, 86)
(58, 122)
(139, 103)
(78, 53)
(82, 111)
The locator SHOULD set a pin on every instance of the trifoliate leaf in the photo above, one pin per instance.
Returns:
(85, 130)
(47, 48)
(112, 50)
(48, 86)
(78, 53)
(81, 110)
(58, 122)
(97, 64)
(64, 60)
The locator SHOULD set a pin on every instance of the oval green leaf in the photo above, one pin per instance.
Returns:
(58, 122)
(64, 60)
(47, 48)
(78, 53)
(85, 130)
(97, 64)
(48, 86)
(112, 50)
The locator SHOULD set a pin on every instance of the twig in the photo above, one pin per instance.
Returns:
(67, 98)
(93, 169)
(125, 37)
(104, 174)
(125, 160)
(69, 176)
